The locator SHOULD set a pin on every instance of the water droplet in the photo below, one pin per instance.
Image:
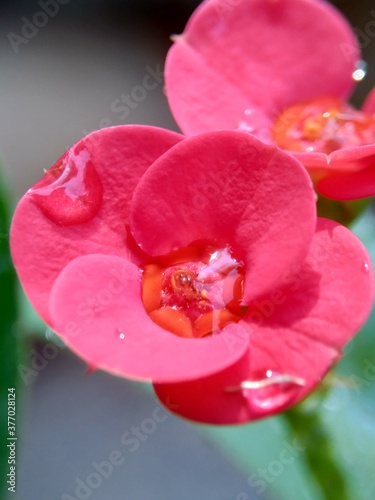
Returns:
(269, 390)
(245, 127)
(358, 75)
(248, 111)
(71, 192)
(360, 72)
(365, 267)
(120, 333)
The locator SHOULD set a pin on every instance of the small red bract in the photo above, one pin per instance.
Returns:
(197, 264)
(281, 70)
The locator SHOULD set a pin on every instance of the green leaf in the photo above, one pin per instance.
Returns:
(8, 341)
(320, 453)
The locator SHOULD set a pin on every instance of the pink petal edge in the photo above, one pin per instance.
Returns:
(95, 306)
(41, 248)
(345, 174)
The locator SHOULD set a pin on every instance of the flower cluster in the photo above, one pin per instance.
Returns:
(199, 263)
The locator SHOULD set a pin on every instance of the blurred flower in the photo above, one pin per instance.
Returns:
(197, 264)
(281, 70)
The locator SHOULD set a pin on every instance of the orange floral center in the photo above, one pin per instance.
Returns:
(323, 125)
(194, 291)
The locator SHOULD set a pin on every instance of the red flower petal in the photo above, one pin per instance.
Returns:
(209, 100)
(220, 399)
(345, 174)
(369, 104)
(205, 400)
(257, 49)
(113, 159)
(96, 307)
(349, 186)
(351, 174)
(297, 330)
(230, 188)
(317, 306)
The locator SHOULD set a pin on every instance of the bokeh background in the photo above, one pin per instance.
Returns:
(63, 81)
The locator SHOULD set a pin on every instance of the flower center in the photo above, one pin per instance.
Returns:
(323, 125)
(194, 291)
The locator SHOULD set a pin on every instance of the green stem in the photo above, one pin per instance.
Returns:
(306, 425)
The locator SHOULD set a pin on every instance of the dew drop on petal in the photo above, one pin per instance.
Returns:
(243, 126)
(271, 390)
(71, 192)
(120, 333)
(365, 268)
(360, 72)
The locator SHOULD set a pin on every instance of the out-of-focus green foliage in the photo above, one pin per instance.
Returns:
(8, 341)
(343, 212)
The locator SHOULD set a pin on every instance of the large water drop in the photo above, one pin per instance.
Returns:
(71, 192)
(366, 268)
(120, 333)
(269, 390)
(360, 72)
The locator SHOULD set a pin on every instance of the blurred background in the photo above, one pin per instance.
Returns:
(58, 82)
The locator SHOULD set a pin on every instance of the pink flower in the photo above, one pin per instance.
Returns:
(196, 264)
(281, 70)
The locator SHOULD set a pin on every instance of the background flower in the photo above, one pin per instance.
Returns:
(244, 67)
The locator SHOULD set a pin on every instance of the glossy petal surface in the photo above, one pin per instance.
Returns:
(96, 307)
(117, 157)
(257, 55)
(297, 330)
(237, 66)
(229, 188)
(348, 184)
